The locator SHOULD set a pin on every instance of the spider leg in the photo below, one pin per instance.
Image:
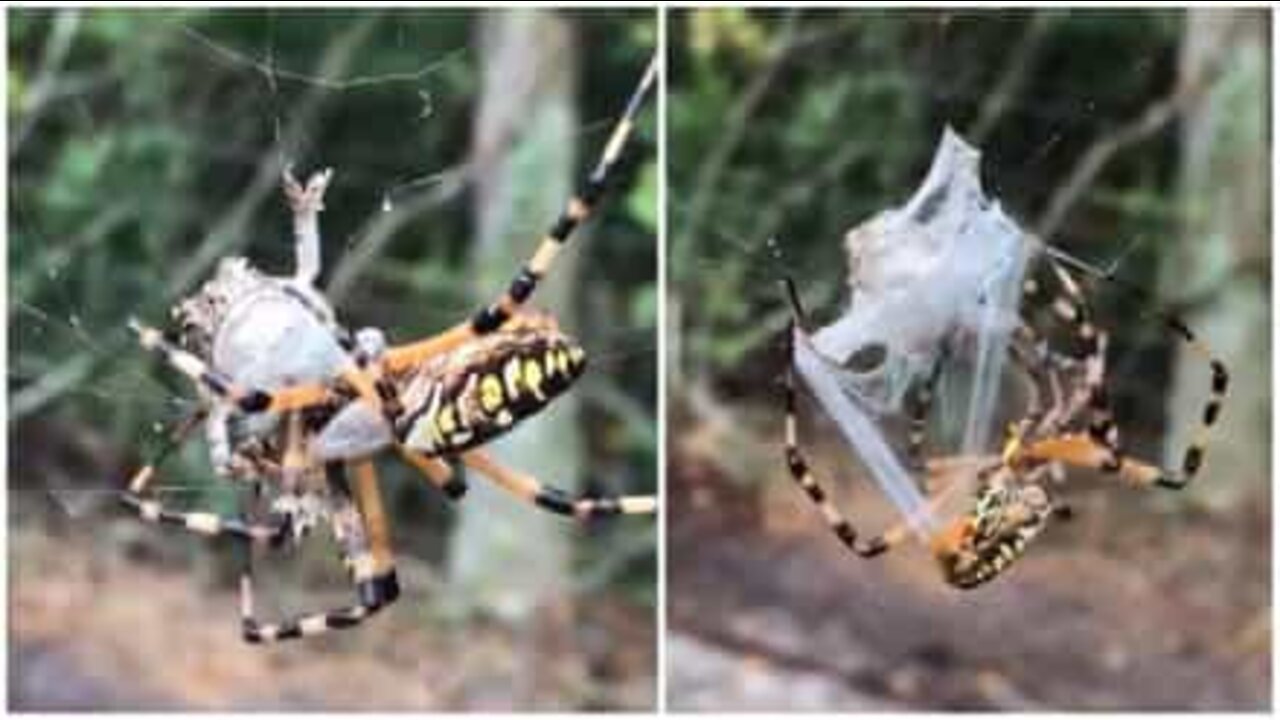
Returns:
(1072, 307)
(366, 550)
(1047, 371)
(942, 476)
(552, 499)
(255, 400)
(437, 471)
(798, 467)
(136, 499)
(579, 208)
(800, 473)
(1102, 430)
(1193, 454)
(795, 460)
(295, 461)
(205, 523)
(177, 436)
(1075, 309)
(920, 402)
(249, 400)
(1081, 450)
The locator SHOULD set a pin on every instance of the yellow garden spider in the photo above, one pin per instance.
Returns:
(294, 399)
(1068, 422)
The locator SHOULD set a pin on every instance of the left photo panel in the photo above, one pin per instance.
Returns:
(332, 359)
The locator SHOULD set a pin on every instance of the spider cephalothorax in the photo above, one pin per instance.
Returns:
(296, 403)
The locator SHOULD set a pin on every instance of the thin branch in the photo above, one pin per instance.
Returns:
(1018, 67)
(61, 37)
(606, 571)
(378, 231)
(55, 255)
(739, 119)
(1150, 121)
(323, 79)
(65, 376)
(801, 192)
(635, 416)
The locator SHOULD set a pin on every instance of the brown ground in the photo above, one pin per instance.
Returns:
(1126, 607)
(92, 629)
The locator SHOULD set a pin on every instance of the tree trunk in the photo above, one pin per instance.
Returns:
(1225, 251)
(507, 556)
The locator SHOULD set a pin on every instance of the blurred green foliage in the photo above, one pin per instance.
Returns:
(146, 144)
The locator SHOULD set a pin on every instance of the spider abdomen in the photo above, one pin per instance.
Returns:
(472, 395)
(967, 570)
(970, 556)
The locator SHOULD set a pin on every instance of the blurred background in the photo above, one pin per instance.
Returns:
(1137, 138)
(145, 146)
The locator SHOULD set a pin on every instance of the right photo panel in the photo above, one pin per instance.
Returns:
(968, 360)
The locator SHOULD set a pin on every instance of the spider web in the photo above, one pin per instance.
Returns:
(69, 357)
(940, 275)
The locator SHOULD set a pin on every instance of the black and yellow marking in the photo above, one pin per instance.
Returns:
(1072, 308)
(1102, 429)
(495, 316)
(368, 558)
(1194, 454)
(969, 553)
(1104, 436)
(151, 510)
(984, 542)
(974, 567)
(1026, 353)
(248, 400)
(204, 523)
(839, 525)
(1091, 345)
(918, 408)
(186, 363)
(798, 468)
(513, 375)
(577, 211)
(372, 594)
